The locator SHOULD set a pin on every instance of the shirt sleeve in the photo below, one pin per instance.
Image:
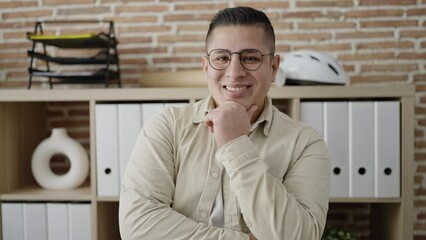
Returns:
(147, 192)
(294, 207)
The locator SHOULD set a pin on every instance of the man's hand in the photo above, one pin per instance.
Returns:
(252, 237)
(229, 121)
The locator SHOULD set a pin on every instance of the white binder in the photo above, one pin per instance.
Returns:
(80, 224)
(336, 135)
(107, 163)
(129, 126)
(12, 221)
(361, 149)
(312, 113)
(35, 221)
(387, 148)
(149, 110)
(57, 221)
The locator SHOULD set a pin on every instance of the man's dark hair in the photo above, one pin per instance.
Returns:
(243, 16)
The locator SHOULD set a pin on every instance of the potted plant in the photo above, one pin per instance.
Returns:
(338, 233)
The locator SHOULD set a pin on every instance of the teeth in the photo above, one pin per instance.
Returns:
(235, 89)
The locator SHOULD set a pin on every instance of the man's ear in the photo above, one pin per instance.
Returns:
(275, 64)
(205, 63)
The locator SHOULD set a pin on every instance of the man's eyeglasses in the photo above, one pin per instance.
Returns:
(250, 59)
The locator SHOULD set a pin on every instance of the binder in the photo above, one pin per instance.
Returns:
(336, 135)
(387, 148)
(35, 221)
(361, 149)
(12, 221)
(107, 162)
(57, 221)
(312, 113)
(129, 125)
(149, 110)
(80, 224)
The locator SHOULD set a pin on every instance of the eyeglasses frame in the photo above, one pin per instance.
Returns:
(239, 53)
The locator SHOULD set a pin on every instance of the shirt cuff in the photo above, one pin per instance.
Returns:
(236, 153)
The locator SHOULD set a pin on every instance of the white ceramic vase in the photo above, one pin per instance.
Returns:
(60, 143)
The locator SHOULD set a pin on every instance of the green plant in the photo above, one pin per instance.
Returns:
(338, 233)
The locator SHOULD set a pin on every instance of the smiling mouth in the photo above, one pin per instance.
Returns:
(236, 88)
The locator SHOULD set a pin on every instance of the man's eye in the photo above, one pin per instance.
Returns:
(222, 58)
(250, 59)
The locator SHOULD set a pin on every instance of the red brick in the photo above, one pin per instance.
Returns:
(411, 55)
(379, 78)
(389, 23)
(364, 35)
(413, 33)
(385, 45)
(177, 60)
(193, 50)
(326, 25)
(193, 28)
(416, 12)
(135, 19)
(125, 9)
(187, 17)
(420, 156)
(18, 4)
(145, 29)
(419, 77)
(84, 10)
(325, 47)
(376, 13)
(143, 50)
(181, 38)
(324, 3)
(133, 61)
(62, 2)
(27, 14)
(267, 5)
(302, 36)
(389, 67)
(366, 56)
(386, 2)
(200, 6)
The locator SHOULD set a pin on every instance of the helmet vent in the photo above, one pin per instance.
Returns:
(297, 55)
(314, 58)
(333, 69)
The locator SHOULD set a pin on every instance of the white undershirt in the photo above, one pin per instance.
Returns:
(216, 217)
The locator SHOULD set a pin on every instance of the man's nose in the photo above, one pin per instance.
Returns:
(235, 69)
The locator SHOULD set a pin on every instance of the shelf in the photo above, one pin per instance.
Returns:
(36, 193)
(100, 58)
(101, 40)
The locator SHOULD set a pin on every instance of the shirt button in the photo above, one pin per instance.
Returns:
(215, 175)
(203, 214)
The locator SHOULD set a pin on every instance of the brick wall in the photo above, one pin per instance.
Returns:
(378, 41)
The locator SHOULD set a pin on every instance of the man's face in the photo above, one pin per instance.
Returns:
(236, 83)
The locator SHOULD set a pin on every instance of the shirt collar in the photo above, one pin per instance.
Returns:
(266, 116)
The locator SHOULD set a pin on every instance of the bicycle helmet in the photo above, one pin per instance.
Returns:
(307, 67)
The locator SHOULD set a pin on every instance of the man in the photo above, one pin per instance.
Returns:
(230, 166)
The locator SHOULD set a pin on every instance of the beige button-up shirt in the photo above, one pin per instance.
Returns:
(275, 181)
